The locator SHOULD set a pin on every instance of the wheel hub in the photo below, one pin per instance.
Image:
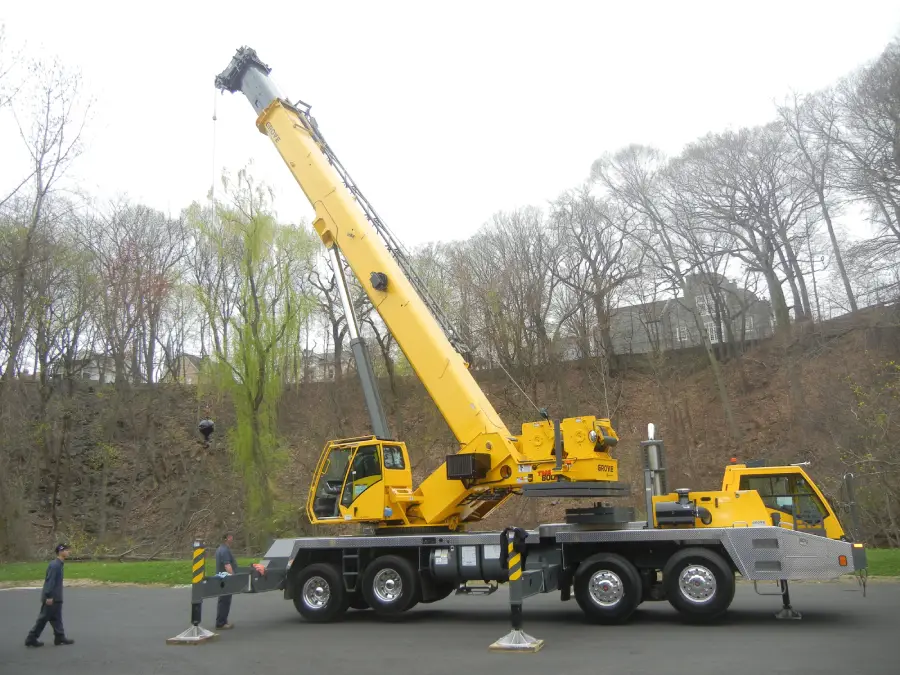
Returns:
(316, 593)
(697, 583)
(606, 588)
(387, 585)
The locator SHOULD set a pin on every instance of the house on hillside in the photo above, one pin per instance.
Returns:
(185, 368)
(92, 366)
(669, 324)
(320, 366)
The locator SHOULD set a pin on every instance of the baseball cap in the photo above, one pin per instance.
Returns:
(62, 547)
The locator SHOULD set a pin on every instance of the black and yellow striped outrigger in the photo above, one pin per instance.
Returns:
(199, 568)
(517, 639)
(196, 634)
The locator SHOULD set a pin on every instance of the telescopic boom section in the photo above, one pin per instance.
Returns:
(342, 223)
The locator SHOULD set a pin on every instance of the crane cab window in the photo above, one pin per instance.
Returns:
(393, 457)
(790, 494)
(365, 471)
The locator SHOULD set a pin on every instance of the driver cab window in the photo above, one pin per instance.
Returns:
(787, 493)
(365, 471)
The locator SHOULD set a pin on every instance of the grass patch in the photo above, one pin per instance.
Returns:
(168, 572)
(884, 562)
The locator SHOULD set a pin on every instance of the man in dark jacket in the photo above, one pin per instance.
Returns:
(226, 563)
(51, 602)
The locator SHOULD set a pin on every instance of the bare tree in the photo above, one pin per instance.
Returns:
(53, 140)
(597, 259)
(9, 62)
(639, 178)
(868, 136)
(811, 123)
(510, 262)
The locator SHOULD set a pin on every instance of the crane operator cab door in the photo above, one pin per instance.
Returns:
(352, 481)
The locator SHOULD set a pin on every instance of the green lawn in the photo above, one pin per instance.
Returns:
(882, 563)
(166, 572)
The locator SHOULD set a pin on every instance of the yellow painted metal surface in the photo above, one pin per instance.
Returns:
(339, 220)
(802, 493)
(473, 420)
(738, 506)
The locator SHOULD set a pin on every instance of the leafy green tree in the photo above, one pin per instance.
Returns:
(250, 287)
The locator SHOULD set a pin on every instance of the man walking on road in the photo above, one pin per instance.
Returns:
(225, 562)
(51, 603)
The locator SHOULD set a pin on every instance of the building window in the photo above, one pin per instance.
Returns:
(712, 332)
(681, 334)
(747, 322)
(704, 306)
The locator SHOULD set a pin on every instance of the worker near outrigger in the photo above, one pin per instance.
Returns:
(51, 602)
(225, 564)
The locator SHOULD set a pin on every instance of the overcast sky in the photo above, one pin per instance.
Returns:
(443, 113)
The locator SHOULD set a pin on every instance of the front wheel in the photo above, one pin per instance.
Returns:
(699, 583)
(608, 588)
(319, 593)
(391, 585)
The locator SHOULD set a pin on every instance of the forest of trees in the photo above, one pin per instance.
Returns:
(803, 211)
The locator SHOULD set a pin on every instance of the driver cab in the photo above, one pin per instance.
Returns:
(353, 478)
(789, 492)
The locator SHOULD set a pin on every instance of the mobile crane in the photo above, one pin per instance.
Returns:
(766, 523)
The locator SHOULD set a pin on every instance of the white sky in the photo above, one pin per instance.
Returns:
(443, 113)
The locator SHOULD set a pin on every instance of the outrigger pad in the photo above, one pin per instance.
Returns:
(789, 614)
(517, 641)
(195, 635)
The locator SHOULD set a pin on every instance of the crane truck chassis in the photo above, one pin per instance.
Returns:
(765, 523)
(610, 571)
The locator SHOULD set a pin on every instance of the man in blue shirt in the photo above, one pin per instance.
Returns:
(225, 562)
(51, 602)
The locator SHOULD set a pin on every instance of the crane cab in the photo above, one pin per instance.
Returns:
(789, 494)
(355, 478)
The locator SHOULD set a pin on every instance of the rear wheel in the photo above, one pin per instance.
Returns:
(391, 585)
(699, 583)
(319, 593)
(608, 588)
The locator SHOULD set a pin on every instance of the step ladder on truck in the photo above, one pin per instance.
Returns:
(415, 543)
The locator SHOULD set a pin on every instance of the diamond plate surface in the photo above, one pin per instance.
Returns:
(754, 550)
(760, 553)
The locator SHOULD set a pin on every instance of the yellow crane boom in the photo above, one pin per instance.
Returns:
(491, 462)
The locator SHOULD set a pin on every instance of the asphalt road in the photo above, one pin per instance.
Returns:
(122, 631)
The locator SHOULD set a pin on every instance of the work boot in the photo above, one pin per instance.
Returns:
(63, 641)
(33, 642)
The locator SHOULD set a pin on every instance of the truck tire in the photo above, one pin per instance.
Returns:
(319, 593)
(608, 588)
(391, 585)
(699, 583)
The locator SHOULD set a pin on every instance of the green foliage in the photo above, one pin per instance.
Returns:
(884, 562)
(252, 295)
(167, 572)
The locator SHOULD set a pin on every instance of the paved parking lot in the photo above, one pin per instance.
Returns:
(122, 631)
